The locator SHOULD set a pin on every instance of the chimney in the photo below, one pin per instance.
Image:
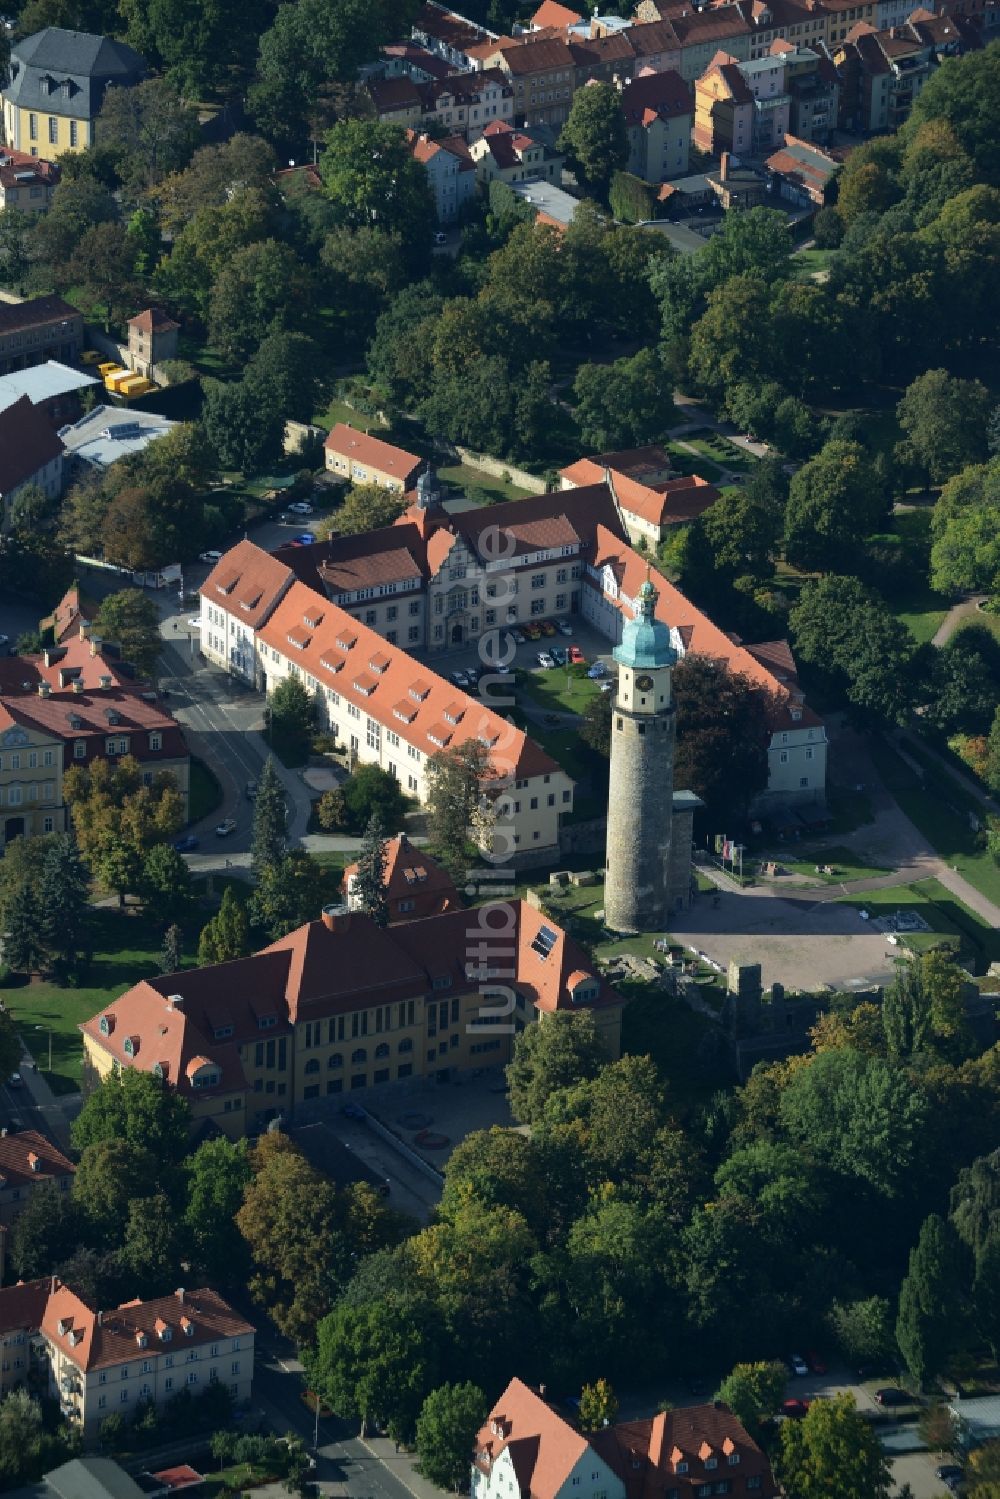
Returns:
(44, 689)
(78, 685)
(336, 918)
(179, 1293)
(95, 645)
(724, 167)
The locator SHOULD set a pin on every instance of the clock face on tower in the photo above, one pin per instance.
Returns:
(644, 683)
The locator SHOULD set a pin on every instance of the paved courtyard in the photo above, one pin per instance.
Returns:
(801, 943)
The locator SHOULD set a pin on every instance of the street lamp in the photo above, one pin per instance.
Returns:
(42, 1028)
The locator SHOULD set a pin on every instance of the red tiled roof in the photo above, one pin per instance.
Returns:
(37, 312)
(511, 751)
(645, 1454)
(411, 875)
(361, 447)
(153, 320)
(22, 1306)
(544, 56)
(96, 1340)
(551, 13)
(21, 169)
(668, 502)
(84, 716)
(247, 583)
(665, 93)
(27, 443)
(28, 1157)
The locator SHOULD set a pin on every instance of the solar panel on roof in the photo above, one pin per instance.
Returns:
(544, 941)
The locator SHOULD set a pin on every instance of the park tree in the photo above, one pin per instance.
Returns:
(245, 430)
(283, 376)
(172, 949)
(117, 818)
(141, 1110)
(64, 904)
(964, 682)
(290, 893)
(262, 290)
(944, 422)
(742, 534)
(23, 945)
(373, 792)
(368, 889)
(152, 1244)
(729, 342)
(846, 634)
(211, 176)
(547, 1058)
(148, 130)
(111, 1174)
(377, 1363)
(331, 810)
(218, 1174)
(103, 266)
(932, 1318)
(456, 813)
(833, 1453)
(863, 1331)
(227, 935)
(373, 180)
(366, 507)
(593, 137)
(723, 734)
(965, 532)
(197, 45)
(624, 404)
(447, 1425)
(595, 726)
(986, 1294)
(834, 500)
(598, 1405)
(165, 883)
(754, 1393)
(131, 620)
(270, 815)
(290, 717)
(966, 96)
(974, 1207)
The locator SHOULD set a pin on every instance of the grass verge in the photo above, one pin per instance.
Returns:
(565, 689)
(944, 913)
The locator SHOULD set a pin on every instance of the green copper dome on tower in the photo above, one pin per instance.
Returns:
(645, 639)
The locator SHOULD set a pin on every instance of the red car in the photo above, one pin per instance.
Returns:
(816, 1363)
(794, 1410)
(576, 656)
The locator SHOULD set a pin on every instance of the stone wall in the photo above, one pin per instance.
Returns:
(501, 470)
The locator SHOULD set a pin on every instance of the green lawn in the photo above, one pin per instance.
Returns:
(720, 450)
(339, 411)
(464, 477)
(206, 793)
(845, 863)
(564, 689)
(805, 263)
(693, 463)
(917, 605)
(126, 949)
(944, 913)
(941, 809)
(240, 1476)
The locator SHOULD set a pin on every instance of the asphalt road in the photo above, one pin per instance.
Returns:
(344, 1464)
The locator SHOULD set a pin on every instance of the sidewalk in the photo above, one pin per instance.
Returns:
(403, 1466)
(54, 1111)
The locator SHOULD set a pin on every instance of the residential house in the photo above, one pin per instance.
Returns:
(765, 78)
(463, 103)
(648, 509)
(797, 753)
(27, 1161)
(22, 1307)
(543, 76)
(363, 459)
(341, 1006)
(71, 706)
(802, 21)
(882, 74)
(451, 172)
(657, 47)
(53, 387)
(528, 1450)
(505, 154)
(70, 613)
(724, 111)
(415, 884)
(448, 35)
(608, 58)
(802, 172)
(702, 33)
(152, 338)
(949, 36)
(659, 113)
(101, 1362)
(56, 84)
(246, 588)
(410, 60)
(551, 13)
(844, 15)
(26, 182)
(41, 328)
(31, 454)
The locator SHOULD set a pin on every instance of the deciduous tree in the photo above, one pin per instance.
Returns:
(623, 404)
(446, 1429)
(563, 1051)
(932, 1311)
(834, 500)
(833, 1453)
(130, 619)
(455, 782)
(227, 935)
(723, 735)
(593, 137)
(944, 422)
(754, 1393)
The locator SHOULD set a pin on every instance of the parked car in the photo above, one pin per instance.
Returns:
(224, 828)
(187, 844)
(547, 627)
(304, 539)
(597, 670)
(892, 1395)
(519, 637)
(794, 1410)
(798, 1365)
(14, 1081)
(251, 791)
(460, 678)
(545, 660)
(212, 557)
(301, 507)
(576, 656)
(558, 656)
(533, 632)
(564, 627)
(816, 1363)
(949, 1473)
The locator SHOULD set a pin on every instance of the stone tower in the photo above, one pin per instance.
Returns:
(637, 892)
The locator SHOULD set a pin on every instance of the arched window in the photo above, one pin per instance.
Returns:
(406, 1044)
(382, 1050)
(312, 1065)
(335, 1061)
(360, 1055)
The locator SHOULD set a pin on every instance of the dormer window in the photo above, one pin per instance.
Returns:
(131, 1046)
(711, 1462)
(141, 1339)
(164, 1332)
(265, 1022)
(188, 1327)
(222, 1032)
(680, 1467)
(106, 1025)
(347, 641)
(418, 691)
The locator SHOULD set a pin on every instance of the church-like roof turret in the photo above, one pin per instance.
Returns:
(645, 639)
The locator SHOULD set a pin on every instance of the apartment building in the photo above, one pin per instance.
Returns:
(28, 1161)
(22, 1307)
(542, 74)
(104, 1362)
(363, 459)
(724, 108)
(448, 35)
(342, 1006)
(37, 330)
(463, 103)
(659, 113)
(505, 154)
(451, 172)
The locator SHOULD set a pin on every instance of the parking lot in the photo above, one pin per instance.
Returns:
(592, 646)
